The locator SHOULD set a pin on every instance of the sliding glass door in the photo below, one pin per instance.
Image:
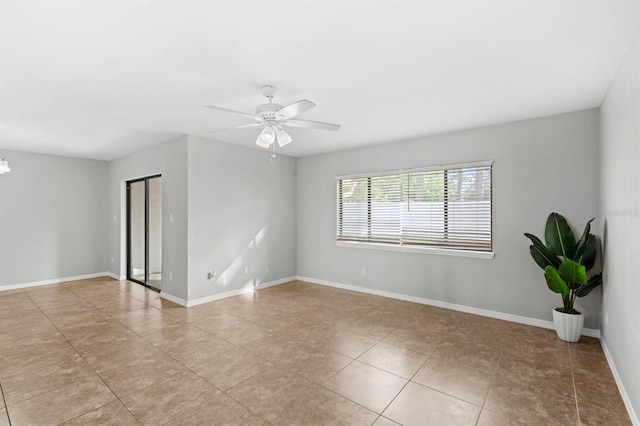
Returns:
(144, 231)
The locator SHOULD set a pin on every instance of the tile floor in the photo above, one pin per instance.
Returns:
(110, 352)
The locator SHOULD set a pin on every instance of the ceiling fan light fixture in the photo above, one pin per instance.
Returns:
(262, 144)
(283, 137)
(4, 166)
(267, 136)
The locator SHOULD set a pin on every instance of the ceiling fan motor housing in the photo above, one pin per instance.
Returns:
(268, 111)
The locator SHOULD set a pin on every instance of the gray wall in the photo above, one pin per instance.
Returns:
(155, 225)
(170, 160)
(241, 213)
(52, 215)
(540, 165)
(231, 208)
(620, 206)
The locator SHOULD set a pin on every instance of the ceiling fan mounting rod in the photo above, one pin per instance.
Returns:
(269, 91)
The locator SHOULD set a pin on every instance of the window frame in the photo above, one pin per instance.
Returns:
(399, 246)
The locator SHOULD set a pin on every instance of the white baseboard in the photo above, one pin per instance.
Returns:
(54, 281)
(219, 296)
(462, 308)
(623, 392)
(116, 276)
(275, 282)
(213, 297)
(173, 299)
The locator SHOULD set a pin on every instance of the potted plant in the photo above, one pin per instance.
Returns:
(566, 263)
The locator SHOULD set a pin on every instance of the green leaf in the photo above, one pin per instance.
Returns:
(559, 237)
(541, 254)
(581, 246)
(540, 258)
(589, 256)
(593, 282)
(554, 281)
(572, 272)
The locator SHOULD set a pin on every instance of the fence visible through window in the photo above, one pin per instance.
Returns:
(446, 207)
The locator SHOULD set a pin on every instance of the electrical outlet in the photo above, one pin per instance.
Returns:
(112, 259)
(170, 217)
(115, 218)
(246, 270)
(170, 276)
(363, 270)
(211, 276)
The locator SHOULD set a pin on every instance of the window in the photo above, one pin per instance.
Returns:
(447, 207)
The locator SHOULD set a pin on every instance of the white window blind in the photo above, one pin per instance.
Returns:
(444, 207)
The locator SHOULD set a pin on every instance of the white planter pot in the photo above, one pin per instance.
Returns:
(568, 326)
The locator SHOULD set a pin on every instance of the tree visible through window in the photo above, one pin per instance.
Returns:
(446, 207)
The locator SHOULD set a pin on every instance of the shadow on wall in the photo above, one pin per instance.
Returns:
(603, 246)
(255, 254)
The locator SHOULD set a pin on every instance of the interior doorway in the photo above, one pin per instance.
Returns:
(144, 231)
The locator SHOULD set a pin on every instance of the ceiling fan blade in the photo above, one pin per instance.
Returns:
(236, 127)
(307, 124)
(294, 109)
(215, 108)
(283, 137)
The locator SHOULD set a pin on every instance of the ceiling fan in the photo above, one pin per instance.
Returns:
(273, 117)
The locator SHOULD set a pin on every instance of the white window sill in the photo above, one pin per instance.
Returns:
(425, 250)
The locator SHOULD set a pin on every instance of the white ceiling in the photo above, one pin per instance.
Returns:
(100, 79)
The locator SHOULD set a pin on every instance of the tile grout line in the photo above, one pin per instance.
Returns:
(189, 369)
(248, 378)
(6, 409)
(177, 361)
(350, 362)
(238, 347)
(321, 386)
(399, 347)
(573, 380)
(434, 389)
(85, 361)
(241, 404)
(493, 377)
(331, 391)
(172, 417)
(186, 322)
(429, 357)
(405, 385)
(279, 367)
(4, 400)
(47, 301)
(222, 392)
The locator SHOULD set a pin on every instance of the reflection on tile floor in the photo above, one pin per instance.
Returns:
(104, 351)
